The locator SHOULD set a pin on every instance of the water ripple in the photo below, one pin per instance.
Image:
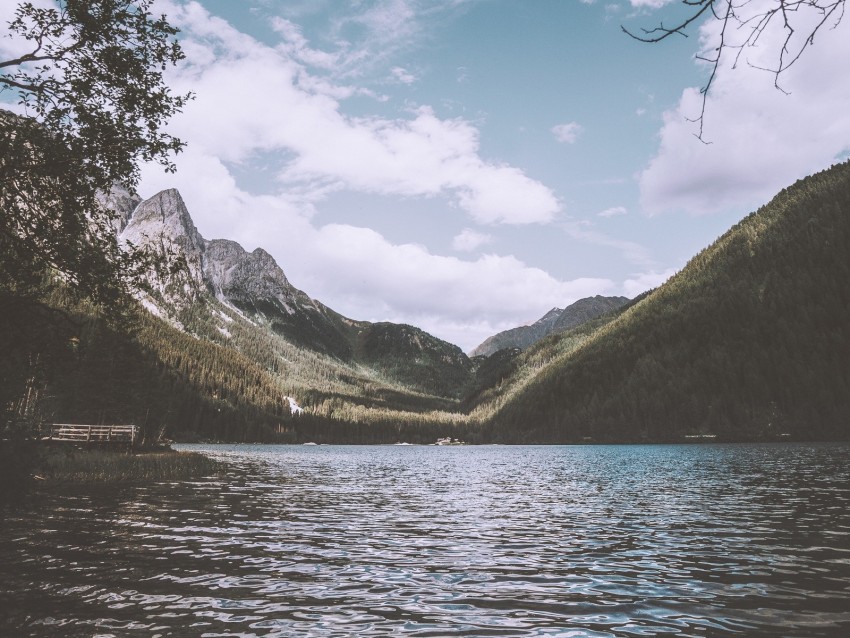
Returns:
(425, 541)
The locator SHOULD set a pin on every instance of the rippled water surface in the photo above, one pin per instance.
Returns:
(436, 541)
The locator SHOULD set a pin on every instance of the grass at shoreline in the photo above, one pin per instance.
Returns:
(74, 466)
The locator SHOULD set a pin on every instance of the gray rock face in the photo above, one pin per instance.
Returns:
(164, 216)
(123, 202)
(218, 279)
(222, 267)
(554, 321)
(252, 283)
(163, 225)
(241, 278)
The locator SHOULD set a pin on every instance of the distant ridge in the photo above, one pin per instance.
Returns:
(555, 321)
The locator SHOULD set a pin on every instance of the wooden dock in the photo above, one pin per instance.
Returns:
(92, 434)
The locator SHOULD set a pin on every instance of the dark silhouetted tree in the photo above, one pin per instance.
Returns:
(90, 87)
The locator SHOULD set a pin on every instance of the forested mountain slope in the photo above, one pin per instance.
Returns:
(225, 344)
(751, 340)
(63, 362)
(223, 293)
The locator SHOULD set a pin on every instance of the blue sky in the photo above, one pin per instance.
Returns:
(466, 165)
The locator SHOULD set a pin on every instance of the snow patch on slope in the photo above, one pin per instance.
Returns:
(293, 406)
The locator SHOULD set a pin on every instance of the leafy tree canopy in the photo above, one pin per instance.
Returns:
(88, 78)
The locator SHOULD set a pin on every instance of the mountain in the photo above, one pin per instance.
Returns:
(218, 283)
(221, 347)
(585, 310)
(750, 341)
(555, 321)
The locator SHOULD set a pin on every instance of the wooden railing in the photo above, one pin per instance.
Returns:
(92, 433)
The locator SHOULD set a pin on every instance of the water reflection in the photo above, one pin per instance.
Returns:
(425, 541)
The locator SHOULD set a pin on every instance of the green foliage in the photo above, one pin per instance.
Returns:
(325, 383)
(504, 375)
(202, 384)
(750, 341)
(138, 370)
(91, 83)
(67, 465)
(414, 358)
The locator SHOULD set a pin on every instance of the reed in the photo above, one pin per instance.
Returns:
(106, 466)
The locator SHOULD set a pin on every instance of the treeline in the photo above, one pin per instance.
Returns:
(389, 427)
(67, 363)
(750, 341)
(78, 366)
(387, 371)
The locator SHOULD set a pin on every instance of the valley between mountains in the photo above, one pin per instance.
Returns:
(750, 341)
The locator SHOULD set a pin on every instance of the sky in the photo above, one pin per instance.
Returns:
(467, 165)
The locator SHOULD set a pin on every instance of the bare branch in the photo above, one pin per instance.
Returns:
(753, 20)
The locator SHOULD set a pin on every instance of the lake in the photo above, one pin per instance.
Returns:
(685, 540)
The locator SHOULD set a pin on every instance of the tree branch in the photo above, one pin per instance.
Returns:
(734, 15)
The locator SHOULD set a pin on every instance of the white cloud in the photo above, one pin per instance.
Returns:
(468, 240)
(567, 133)
(760, 139)
(423, 156)
(389, 19)
(296, 45)
(614, 211)
(641, 282)
(650, 4)
(373, 279)
(256, 101)
(371, 34)
(253, 98)
(402, 75)
(630, 250)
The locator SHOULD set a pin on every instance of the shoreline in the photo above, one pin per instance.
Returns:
(75, 466)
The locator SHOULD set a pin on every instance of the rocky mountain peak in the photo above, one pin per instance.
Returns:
(162, 223)
(230, 281)
(550, 317)
(122, 202)
(164, 216)
(253, 282)
(265, 263)
(234, 273)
